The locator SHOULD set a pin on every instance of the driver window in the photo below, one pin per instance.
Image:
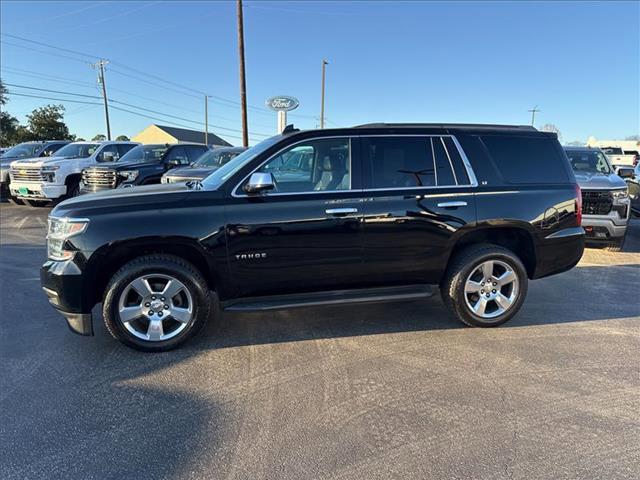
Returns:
(316, 165)
(111, 149)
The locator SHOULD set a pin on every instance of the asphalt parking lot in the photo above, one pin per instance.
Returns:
(372, 392)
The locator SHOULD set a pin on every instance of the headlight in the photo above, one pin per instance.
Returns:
(60, 230)
(129, 175)
(619, 194)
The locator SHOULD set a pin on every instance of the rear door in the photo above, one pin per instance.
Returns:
(417, 194)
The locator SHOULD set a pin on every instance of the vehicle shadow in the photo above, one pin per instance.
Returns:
(582, 294)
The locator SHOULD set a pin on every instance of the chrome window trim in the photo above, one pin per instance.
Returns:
(465, 160)
(453, 170)
(235, 194)
(433, 158)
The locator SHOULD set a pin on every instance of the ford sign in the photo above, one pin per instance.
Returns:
(282, 103)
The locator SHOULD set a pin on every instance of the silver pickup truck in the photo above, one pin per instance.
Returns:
(605, 197)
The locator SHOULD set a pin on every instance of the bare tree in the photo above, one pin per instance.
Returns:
(550, 127)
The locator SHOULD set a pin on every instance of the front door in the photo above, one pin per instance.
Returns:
(417, 194)
(305, 235)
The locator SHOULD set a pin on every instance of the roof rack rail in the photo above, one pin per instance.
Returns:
(448, 125)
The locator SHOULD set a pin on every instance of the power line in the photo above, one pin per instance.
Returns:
(54, 99)
(43, 51)
(50, 91)
(42, 44)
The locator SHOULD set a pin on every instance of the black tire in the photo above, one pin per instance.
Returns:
(148, 265)
(73, 189)
(463, 265)
(15, 201)
(616, 245)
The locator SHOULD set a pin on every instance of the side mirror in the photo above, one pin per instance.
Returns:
(260, 182)
(624, 172)
(108, 157)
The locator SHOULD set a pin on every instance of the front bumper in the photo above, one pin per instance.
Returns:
(606, 227)
(63, 284)
(37, 191)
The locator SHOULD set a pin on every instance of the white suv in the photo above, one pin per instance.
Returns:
(51, 178)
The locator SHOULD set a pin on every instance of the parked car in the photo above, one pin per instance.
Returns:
(605, 197)
(39, 180)
(143, 165)
(203, 166)
(23, 151)
(633, 184)
(382, 212)
(617, 156)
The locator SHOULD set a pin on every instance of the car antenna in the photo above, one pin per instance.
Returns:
(290, 128)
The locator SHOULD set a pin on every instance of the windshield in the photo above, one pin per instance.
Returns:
(77, 150)
(23, 150)
(215, 158)
(144, 153)
(218, 177)
(612, 150)
(588, 161)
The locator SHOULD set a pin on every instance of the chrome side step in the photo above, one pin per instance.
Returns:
(334, 297)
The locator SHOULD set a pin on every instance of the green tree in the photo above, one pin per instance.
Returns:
(122, 138)
(8, 127)
(99, 138)
(3, 94)
(47, 123)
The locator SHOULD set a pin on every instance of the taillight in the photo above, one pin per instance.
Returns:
(578, 206)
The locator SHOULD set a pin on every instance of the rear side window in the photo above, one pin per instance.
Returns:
(522, 159)
(406, 162)
(195, 151)
(125, 147)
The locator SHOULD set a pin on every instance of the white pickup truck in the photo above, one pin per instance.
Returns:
(38, 180)
(618, 157)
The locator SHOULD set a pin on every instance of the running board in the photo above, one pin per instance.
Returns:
(335, 297)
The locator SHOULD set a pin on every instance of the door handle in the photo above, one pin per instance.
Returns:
(452, 204)
(340, 211)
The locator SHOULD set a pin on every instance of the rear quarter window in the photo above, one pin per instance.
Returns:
(527, 159)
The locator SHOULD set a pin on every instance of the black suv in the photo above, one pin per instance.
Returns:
(366, 214)
(142, 165)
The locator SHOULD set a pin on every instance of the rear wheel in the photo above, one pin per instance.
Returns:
(156, 302)
(485, 285)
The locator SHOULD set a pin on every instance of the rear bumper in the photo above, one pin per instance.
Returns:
(559, 252)
(37, 191)
(63, 282)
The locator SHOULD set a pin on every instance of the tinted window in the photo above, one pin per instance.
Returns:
(195, 152)
(316, 165)
(398, 162)
(144, 153)
(523, 159)
(110, 149)
(178, 155)
(124, 148)
(456, 160)
(444, 173)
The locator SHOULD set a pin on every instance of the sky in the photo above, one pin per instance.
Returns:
(469, 62)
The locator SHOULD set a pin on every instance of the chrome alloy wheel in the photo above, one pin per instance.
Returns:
(155, 307)
(491, 289)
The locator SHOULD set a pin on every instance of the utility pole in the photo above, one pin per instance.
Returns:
(206, 120)
(324, 64)
(533, 114)
(243, 84)
(101, 65)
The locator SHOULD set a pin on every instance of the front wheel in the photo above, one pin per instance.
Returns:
(485, 285)
(156, 302)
